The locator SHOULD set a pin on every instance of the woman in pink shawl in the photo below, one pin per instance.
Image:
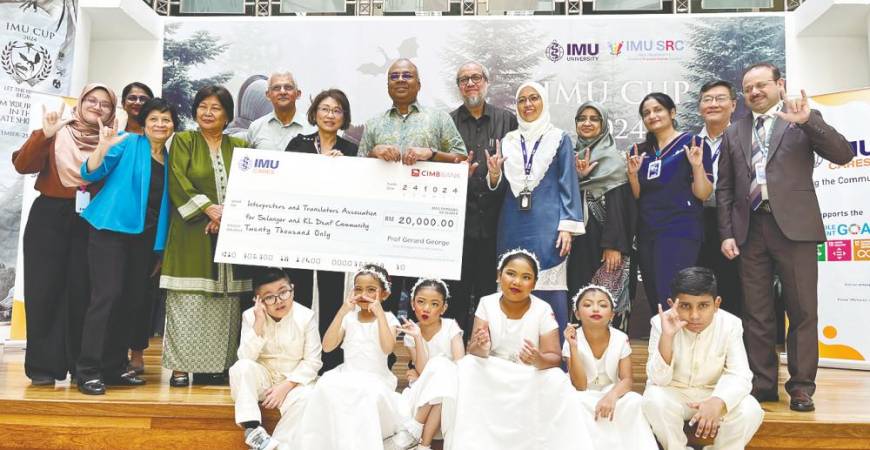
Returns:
(55, 237)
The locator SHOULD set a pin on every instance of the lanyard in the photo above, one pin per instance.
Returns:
(663, 152)
(527, 159)
(764, 144)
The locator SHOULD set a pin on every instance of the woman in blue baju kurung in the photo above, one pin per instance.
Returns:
(671, 174)
(542, 209)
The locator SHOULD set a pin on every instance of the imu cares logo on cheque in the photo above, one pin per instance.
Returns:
(259, 165)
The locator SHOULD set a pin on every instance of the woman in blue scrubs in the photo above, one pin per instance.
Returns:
(670, 174)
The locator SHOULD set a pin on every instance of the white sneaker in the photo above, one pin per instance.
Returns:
(259, 439)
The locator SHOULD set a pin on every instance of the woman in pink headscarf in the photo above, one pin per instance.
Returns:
(55, 237)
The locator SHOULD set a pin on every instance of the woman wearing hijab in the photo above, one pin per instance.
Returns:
(541, 210)
(56, 237)
(601, 256)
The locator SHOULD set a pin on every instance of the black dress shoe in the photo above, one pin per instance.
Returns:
(39, 379)
(766, 396)
(92, 387)
(801, 402)
(209, 379)
(126, 379)
(180, 380)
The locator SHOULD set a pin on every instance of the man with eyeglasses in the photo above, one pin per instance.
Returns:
(409, 132)
(717, 102)
(480, 124)
(275, 130)
(769, 218)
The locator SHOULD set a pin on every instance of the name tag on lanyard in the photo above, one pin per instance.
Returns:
(654, 170)
(83, 199)
(525, 197)
(764, 146)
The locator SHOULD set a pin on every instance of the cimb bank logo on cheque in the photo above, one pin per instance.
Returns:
(259, 165)
(433, 173)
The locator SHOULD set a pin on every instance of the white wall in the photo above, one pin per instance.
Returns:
(118, 63)
(822, 65)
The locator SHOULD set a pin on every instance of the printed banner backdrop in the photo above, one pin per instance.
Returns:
(844, 260)
(36, 54)
(614, 60)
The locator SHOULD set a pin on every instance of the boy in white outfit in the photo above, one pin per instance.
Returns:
(698, 369)
(279, 356)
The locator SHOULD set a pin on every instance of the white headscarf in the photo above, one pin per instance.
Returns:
(541, 127)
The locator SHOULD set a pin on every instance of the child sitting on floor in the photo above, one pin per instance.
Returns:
(279, 356)
(599, 363)
(698, 369)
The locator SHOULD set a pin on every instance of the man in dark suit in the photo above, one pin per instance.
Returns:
(769, 217)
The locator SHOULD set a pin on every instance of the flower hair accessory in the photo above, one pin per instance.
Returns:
(434, 280)
(590, 287)
(519, 251)
(366, 270)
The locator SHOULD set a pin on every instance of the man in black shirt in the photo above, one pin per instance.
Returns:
(480, 124)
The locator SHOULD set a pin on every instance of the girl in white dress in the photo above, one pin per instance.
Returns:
(599, 363)
(435, 343)
(355, 406)
(512, 393)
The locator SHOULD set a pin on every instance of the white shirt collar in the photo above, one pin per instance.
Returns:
(769, 113)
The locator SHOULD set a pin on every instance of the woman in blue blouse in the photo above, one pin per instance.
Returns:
(129, 220)
(671, 175)
(541, 211)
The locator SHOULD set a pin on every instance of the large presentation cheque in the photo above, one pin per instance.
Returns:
(337, 213)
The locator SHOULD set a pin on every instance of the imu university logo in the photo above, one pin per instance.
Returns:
(555, 51)
(26, 62)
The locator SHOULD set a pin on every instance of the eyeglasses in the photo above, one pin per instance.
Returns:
(92, 101)
(473, 79)
(759, 86)
(282, 87)
(405, 76)
(137, 98)
(274, 298)
(593, 119)
(534, 98)
(709, 99)
(325, 110)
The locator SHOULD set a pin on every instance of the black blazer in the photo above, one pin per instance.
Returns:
(304, 143)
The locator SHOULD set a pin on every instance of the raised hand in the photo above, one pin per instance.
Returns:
(410, 328)
(796, 110)
(571, 334)
(259, 315)
(634, 160)
(109, 135)
(695, 153)
(350, 303)
(472, 166)
(494, 163)
(584, 167)
(53, 121)
(671, 322)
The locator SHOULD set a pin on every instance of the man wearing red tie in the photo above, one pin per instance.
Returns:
(769, 219)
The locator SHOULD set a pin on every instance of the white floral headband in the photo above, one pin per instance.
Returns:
(434, 280)
(519, 251)
(590, 287)
(376, 274)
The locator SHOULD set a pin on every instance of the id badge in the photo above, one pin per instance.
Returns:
(525, 200)
(654, 170)
(760, 175)
(83, 199)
